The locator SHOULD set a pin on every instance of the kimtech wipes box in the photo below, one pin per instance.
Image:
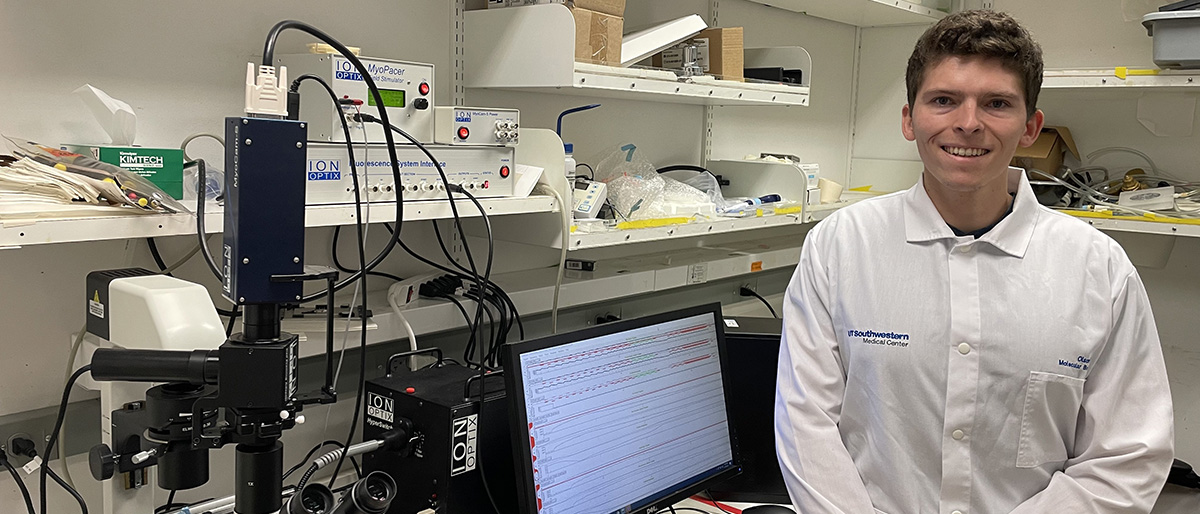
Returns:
(162, 166)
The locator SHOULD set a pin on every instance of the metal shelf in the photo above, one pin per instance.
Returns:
(862, 13)
(532, 49)
(17, 233)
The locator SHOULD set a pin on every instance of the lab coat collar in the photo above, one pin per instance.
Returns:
(922, 222)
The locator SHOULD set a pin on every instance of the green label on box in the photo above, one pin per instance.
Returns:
(161, 166)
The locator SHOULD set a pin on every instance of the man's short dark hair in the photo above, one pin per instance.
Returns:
(982, 33)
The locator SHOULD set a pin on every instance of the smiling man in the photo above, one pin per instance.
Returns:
(957, 348)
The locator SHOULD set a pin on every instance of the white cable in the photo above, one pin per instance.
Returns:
(1111, 149)
(189, 139)
(562, 258)
(412, 336)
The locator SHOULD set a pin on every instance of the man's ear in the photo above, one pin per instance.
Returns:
(906, 123)
(1033, 128)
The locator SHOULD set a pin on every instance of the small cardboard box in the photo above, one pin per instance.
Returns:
(1046, 154)
(613, 7)
(721, 53)
(162, 166)
(597, 37)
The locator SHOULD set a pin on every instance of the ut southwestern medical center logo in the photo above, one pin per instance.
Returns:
(879, 338)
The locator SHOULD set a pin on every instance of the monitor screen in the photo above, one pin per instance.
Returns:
(625, 417)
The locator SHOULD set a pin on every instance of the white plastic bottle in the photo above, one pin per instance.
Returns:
(570, 165)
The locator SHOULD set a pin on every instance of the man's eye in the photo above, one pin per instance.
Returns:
(941, 100)
(998, 104)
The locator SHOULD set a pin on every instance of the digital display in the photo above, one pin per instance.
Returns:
(391, 98)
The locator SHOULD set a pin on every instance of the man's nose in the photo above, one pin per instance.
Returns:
(967, 118)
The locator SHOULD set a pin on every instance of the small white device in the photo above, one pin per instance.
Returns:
(588, 201)
(405, 87)
(484, 171)
(1153, 199)
(476, 126)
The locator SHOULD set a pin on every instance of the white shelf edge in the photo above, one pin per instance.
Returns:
(862, 13)
(713, 93)
(1165, 228)
(18, 233)
(1107, 78)
(584, 241)
(532, 290)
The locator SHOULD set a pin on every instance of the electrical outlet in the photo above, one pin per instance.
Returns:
(16, 460)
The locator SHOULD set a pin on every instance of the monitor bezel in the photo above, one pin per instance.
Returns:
(514, 390)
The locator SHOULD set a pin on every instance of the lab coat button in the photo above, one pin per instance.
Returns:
(957, 512)
(965, 249)
(964, 348)
(958, 435)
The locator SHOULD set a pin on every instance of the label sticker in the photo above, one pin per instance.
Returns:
(464, 443)
(95, 308)
(731, 323)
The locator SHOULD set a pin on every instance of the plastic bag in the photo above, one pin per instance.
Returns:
(635, 188)
(136, 191)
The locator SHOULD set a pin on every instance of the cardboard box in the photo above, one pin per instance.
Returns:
(611, 7)
(597, 37)
(721, 53)
(1046, 154)
(162, 166)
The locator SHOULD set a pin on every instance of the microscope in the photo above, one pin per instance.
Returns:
(214, 390)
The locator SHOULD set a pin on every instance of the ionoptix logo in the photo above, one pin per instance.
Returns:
(880, 338)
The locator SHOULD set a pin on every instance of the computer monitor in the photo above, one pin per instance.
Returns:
(626, 417)
(753, 349)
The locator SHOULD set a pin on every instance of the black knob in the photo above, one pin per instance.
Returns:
(421, 103)
(102, 462)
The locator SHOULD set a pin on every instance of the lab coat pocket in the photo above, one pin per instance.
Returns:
(1052, 404)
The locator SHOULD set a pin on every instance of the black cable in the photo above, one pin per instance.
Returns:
(593, 177)
(166, 507)
(62, 413)
(309, 455)
(746, 291)
(715, 502)
(20, 483)
(450, 190)
(201, 170)
(75, 494)
(337, 263)
(689, 509)
(233, 318)
(492, 286)
(268, 60)
(467, 318)
(158, 260)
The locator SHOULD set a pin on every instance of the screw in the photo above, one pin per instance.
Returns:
(303, 125)
(299, 144)
(241, 299)
(245, 260)
(248, 141)
(245, 121)
(296, 260)
(297, 297)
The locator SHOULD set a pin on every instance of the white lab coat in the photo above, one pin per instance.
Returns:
(922, 372)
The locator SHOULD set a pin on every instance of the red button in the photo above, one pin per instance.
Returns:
(504, 172)
(410, 390)
(424, 88)
(463, 132)
(485, 184)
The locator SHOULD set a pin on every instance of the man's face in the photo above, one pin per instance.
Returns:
(968, 119)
